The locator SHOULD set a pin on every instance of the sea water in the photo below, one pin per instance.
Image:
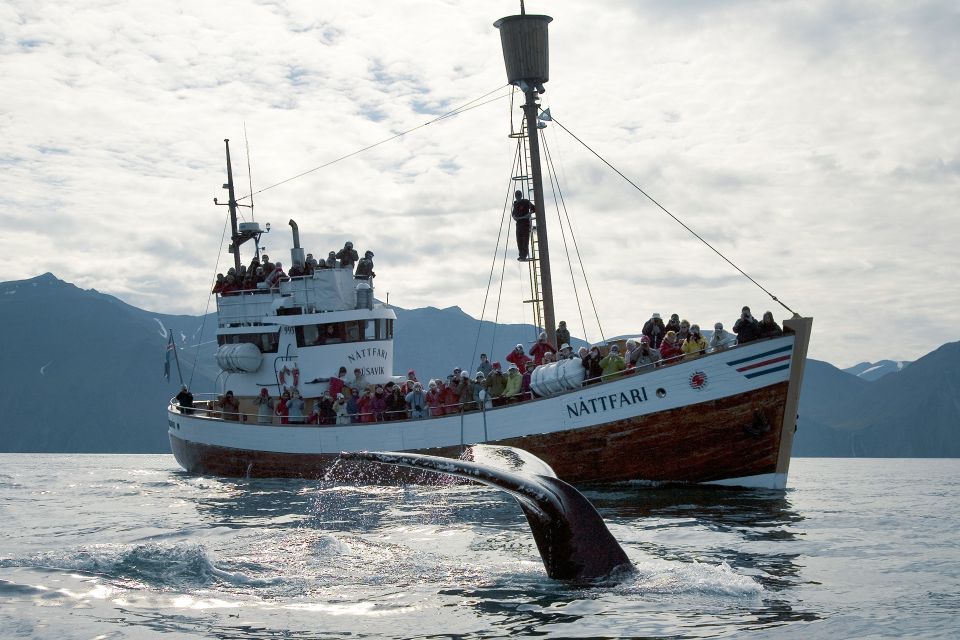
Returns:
(129, 546)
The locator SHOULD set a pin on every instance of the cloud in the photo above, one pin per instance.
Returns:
(813, 143)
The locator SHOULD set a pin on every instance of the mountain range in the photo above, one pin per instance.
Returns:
(82, 372)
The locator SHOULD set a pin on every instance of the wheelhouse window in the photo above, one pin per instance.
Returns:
(266, 342)
(313, 335)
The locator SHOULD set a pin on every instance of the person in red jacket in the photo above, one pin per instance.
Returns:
(518, 357)
(449, 399)
(364, 404)
(541, 349)
(669, 349)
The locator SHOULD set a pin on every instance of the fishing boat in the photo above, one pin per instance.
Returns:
(725, 416)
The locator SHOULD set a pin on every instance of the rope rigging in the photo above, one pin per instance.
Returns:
(449, 114)
(675, 218)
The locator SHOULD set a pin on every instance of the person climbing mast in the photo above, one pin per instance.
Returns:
(522, 210)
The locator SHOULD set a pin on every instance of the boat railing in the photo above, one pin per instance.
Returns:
(324, 290)
(207, 406)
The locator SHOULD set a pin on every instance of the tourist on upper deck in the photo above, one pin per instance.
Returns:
(230, 407)
(673, 324)
(253, 265)
(769, 327)
(295, 271)
(266, 264)
(591, 362)
(258, 276)
(365, 267)
(484, 367)
(746, 327)
(309, 264)
(540, 348)
(331, 260)
(523, 209)
(563, 335)
(275, 276)
(347, 256)
(185, 400)
(669, 349)
(295, 407)
(416, 400)
(695, 345)
(645, 355)
(281, 409)
(518, 357)
(465, 392)
(264, 404)
(612, 364)
(654, 329)
(721, 339)
(220, 283)
(514, 384)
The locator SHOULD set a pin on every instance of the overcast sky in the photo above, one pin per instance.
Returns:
(816, 144)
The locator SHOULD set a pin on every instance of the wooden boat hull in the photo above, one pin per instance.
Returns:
(727, 418)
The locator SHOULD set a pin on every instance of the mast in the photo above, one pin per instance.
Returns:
(526, 57)
(251, 230)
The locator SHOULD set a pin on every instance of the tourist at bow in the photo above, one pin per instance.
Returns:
(417, 402)
(695, 345)
(434, 401)
(485, 367)
(518, 357)
(230, 407)
(654, 329)
(295, 408)
(769, 327)
(669, 348)
(591, 364)
(496, 384)
(721, 339)
(185, 400)
(612, 364)
(281, 409)
(514, 383)
(746, 327)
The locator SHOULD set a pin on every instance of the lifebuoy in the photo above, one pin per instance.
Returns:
(296, 376)
(283, 375)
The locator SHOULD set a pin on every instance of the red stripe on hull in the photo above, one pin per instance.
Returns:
(729, 438)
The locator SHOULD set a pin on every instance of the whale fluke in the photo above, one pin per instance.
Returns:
(572, 538)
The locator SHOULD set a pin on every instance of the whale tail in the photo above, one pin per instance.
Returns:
(571, 537)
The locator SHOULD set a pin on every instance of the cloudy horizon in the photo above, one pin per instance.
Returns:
(813, 143)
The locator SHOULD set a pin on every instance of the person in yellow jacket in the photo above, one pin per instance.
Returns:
(695, 345)
(612, 364)
(514, 383)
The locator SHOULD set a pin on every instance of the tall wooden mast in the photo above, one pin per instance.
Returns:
(526, 57)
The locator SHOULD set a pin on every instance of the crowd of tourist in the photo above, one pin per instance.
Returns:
(262, 275)
(349, 400)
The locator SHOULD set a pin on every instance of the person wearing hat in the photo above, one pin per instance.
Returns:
(396, 405)
(565, 353)
(449, 399)
(669, 349)
(518, 357)
(416, 400)
(273, 279)
(347, 256)
(481, 395)
(654, 329)
(542, 347)
(365, 267)
(746, 327)
(695, 345)
(525, 392)
(434, 401)
(721, 339)
(264, 404)
(185, 400)
(512, 389)
(645, 355)
(230, 407)
(295, 408)
(563, 335)
(378, 404)
(523, 209)
(409, 382)
(496, 384)
(591, 362)
(612, 364)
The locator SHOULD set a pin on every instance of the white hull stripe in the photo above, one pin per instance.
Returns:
(763, 363)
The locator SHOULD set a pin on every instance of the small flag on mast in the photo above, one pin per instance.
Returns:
(170, 350)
